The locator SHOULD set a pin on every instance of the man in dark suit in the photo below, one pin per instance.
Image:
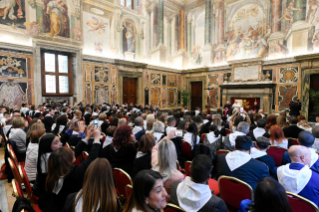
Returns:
(293, 130)
(48, 120)
(239, 163)
(87, 115)
(295, 107)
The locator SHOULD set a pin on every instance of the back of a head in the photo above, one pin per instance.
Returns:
(146, 143)
(315, 131)
(270, 196)
(171, 121)
(122, 121)
(261, 123)
(293, 120)
(300, 117)
(243, 143)
(262, 142)
(98, 185)
(306, 139)
(237, 120)
(257, 116)
(201, 168)
(276, 134)
(297, 151)
(192, 128)
(122, 136)
(110, 131)
(149, 124)
(158, 126)
(18, 122)
(243, 127)
(138, 121)
(167, 157)
(143, 183)
(181, 125)
(198, 119)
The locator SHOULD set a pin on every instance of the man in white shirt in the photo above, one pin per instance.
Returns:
(197, 111)
(230, 139)
(171, 122)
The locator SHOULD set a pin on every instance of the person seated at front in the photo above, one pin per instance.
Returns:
(191, 136)
(297, 177)
(194, 194)
(277, 137)
(242, 129)
(293, 130)
(138, 130)
(239, 163)
(305, 139)
(260, 154)
(171, 122)
(259, 130)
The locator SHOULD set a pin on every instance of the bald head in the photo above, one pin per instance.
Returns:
(261, 111)
(300, 154)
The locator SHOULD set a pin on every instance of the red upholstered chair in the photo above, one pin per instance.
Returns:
(173, 208)
(276, 152)
(121, 179)
(294, 141)
(110, 118)
(300, 204)
(233, 191)
(213, 185)
(34, 199)
(227, 131)
(17, 190)
(103, 138)
(128, 190)
(222, 151)
(14, 157)
(85, 155)
(255, 144)
(67, 145)
(187, 150)
(15, 171)
(188, 168)
(203, 136)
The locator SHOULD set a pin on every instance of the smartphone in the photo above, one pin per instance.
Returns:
(96, 123)
(179, 133)
(241, 110)
(75, 124)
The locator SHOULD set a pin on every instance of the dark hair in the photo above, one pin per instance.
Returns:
(201, 168)
(198, 119)
(213, 128)
(237, 120)
(146, 143)
(293, 120)
(261, 123)
(110, 131)
(306, 139)
(114, 121)
(61, 121)
(243, 143)
(143, 183)
(269, 195)
(170, 121)
(181, 125)
(44, 147)
(192, 128)
(122, 136)
(262, 142)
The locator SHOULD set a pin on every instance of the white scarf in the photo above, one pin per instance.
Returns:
(192, 196)
(48, 115)
(294, 180)
(256, 153)
(157, 136)
(108, 140)
(136, 129)
(79, 204)
(44, 163)
(314, 156)
(211, 137)
(140, 154)
(60, 128)
(236, 159)
(258, 132)
(58, 186)
(168, 129)
(233, 136)
(197, 112)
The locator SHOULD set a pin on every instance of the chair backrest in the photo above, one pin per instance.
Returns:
(103, 138)
(173, 208)
(85, 155)
(17, 191)
(227, 131)
(203, 136)
(233, 191)
(255, 144)
(222, 151)
(188, 168)
(187, 150)
(13, 156)
(27, 185)
(121, 179)
(128, 190)
(301, 204)
(67, 145)
(14, 171)
(294, 141)
(276, 152)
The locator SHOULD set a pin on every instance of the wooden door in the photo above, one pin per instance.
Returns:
(129, 90)
(196, 95)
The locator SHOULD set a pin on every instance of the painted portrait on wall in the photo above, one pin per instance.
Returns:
(96, 34)
(129, 36)
(12, 13)
(56, 21)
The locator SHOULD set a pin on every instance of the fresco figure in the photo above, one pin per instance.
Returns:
(313, 7)
(289, 12)
(7, 9)
(56, 20)
(130, 36)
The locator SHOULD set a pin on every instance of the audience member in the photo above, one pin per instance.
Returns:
(242, 129)
(282, 121)
(138, 130)
(18, 136)
(194, 194)
(239, 164)
(304, 125)
(122, 121)
(295, 107)
(149, 125)
(158, 130)
(268, 196)
(109, 136)
(259, 130)
(297, 177)
(293, 130)
(143, 159)
(315, 133)
(270, 121)
(48, 120)
(60, 127)
(192, 135)
(277, 137)
(122, 152)
(148, 193)
(87, 115)
(213, 139)
(171, 123)
(97, 185)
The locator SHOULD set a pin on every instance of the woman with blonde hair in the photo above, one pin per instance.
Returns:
(282, 122)
(33, 127)
(18, 136)
(97, 185)
(149, 125)
(122, 121)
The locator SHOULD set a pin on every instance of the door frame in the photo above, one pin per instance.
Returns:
(139, 91)
(188, 88)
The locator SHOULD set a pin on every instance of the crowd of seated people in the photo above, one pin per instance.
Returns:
(149, 146)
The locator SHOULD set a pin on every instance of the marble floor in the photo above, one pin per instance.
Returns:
(6, 198)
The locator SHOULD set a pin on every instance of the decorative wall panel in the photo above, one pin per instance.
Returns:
(13, 67)
(212, 80)
(101, 74)
(14, 94)
(289, 75)
(172, 96)
(287, 94)
(155, 96)
(155, 79)
(101, 94)
(212, 97)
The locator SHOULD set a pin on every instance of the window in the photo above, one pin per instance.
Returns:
(56, 74)
(128, 3)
